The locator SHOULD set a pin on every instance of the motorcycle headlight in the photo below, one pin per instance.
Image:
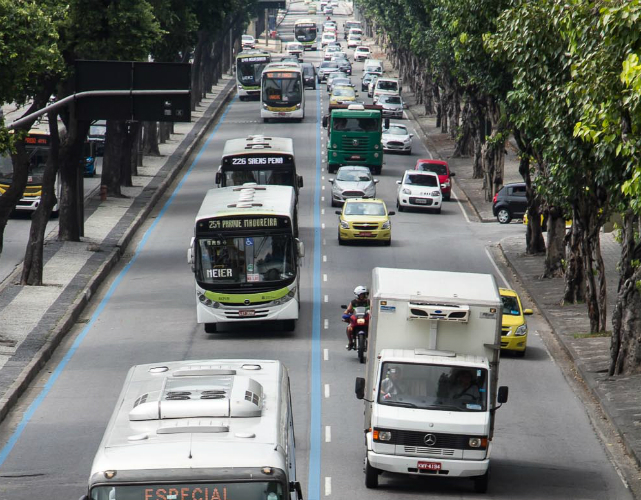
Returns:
(521, 331)
(406, 191)
(386, 225)
(344, 224)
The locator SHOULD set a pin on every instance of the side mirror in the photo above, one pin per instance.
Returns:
(343, 307)
(294, 486)
(300, 181)
(386, 122)
(528, 312)
(190, 254)
(338, 212)
(502, 395)
(452, 174)
(411, 135)
(84, 497)
(331, 181)
(391, 213)
(376, 181)
(325, 121)
(218, 178)
(359, 388)
(300, 247)
(399, 182)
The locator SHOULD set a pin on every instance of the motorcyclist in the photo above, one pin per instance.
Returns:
(362, 300)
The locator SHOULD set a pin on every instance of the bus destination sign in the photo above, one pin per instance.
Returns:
(225, 224)
(281, 74)
(255, 59)
(273, 160)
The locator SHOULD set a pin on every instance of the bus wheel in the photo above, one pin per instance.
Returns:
(289, 325)
(210, 328)
(265, 120)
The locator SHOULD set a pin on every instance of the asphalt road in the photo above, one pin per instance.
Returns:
(544, 445)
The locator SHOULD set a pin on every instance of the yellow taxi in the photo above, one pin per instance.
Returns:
(514, 326)
(364, 219)
(342, 95)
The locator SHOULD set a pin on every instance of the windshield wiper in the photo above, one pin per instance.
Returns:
(401, 403)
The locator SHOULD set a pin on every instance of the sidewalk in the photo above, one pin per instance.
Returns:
(35, 319)
(619, 397)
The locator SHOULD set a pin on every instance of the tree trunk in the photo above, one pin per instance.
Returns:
(625, 347)
(555, 254)
(465, 141)
(478, 125)
(574, 292)
(594, 271)
(115, 143)
(493, 152)
(33, 265)
(150, 139)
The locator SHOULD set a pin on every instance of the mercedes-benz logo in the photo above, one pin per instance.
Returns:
(355, 142)
(429, 439)
(247, 302)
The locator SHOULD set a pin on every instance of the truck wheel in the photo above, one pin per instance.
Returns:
(481, 482)
(210, 327)
(371, 476)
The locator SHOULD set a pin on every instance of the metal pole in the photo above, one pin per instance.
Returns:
(231, 50)
(266, 30)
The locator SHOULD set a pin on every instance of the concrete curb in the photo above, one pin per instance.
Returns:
(586, 375)
(29, 373)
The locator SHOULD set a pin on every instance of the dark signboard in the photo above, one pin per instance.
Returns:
(240, 223)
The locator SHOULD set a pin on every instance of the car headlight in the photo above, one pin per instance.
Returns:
(520, 331)
(386, 225)
(446, 184)
(406, 191)
(435, 193)
(407, 141)
(344, 224)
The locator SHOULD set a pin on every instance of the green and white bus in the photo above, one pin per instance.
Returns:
(213, 429)
(261, 159)
(282, 91)
(245, 256)
(249, 67)
(305, 32)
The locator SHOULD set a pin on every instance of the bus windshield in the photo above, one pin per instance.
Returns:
(238, 260)
(263, 176)
(254, 490)
(277, 90)
(37, 162)
(305, 33)
(249, 69)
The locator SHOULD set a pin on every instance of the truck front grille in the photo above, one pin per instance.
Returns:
(355, 143)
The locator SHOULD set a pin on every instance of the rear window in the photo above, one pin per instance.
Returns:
(433, 167)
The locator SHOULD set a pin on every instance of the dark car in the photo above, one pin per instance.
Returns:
(367, 77)
(309, 75)
(343, 65)
(510, 202)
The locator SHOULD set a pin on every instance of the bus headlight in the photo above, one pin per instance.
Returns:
(298, 106)
(265, 106)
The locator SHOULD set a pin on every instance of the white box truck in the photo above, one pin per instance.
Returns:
(432, 372)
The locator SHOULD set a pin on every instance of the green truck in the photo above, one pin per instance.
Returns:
(354, 136)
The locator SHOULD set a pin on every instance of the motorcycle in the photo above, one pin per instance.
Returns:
(359, 321)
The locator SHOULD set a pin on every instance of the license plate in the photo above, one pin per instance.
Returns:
(429, 466)
(282, 114)
(420, 201)
(365, 234)
(246, 313)
(355, 157)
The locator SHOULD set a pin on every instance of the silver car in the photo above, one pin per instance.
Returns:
(392, 105)
(397, 138)
(352, 182)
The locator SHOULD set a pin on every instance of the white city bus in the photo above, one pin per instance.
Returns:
(260, 159)
(249, 67)
(305, 32)
(245, 256)
(199, 429)
(282, 91)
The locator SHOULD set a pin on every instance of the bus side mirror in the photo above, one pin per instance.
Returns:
(294, 486)
(190, 254)
(325, 121)
(84, 497)
(359, 388)
(300, 247)
(502, 395)
(218, 178)
(300, 181)
(386, 122)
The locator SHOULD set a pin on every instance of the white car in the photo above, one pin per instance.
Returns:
(397, 138)
(386, 86)
(330, 51)
(419, 190)
(295, 49)
(354, 41)
(361, 53)
(248, 42)
(327, 38)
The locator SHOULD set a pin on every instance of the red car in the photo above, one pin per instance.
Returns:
(442, 170)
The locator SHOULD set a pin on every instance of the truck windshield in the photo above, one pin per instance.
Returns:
(433, 387)
(355, 124)
(246, 259)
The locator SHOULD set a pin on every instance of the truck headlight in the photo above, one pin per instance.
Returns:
(344, 224)
(477, 442)
(520, 331)
(386, 225)
(375, 146)
(379, 435)
(333, 146)
(375, 155)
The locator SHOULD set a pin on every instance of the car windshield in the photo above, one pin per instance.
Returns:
(396, 131)
(364, 208)
(437, 168)
(391, 99)
(433, 387)
(333, 48)
(343, 91)
(421, 180)
(341, 81)
(510, 306)
(368, 76)
(362, 49)
(353, 176)
(387, 85)
(248, 38)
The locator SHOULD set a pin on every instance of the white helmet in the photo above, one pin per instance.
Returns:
(360, 290)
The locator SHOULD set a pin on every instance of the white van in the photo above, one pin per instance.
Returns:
(355, 31)
(386, 86)
(373, 66)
